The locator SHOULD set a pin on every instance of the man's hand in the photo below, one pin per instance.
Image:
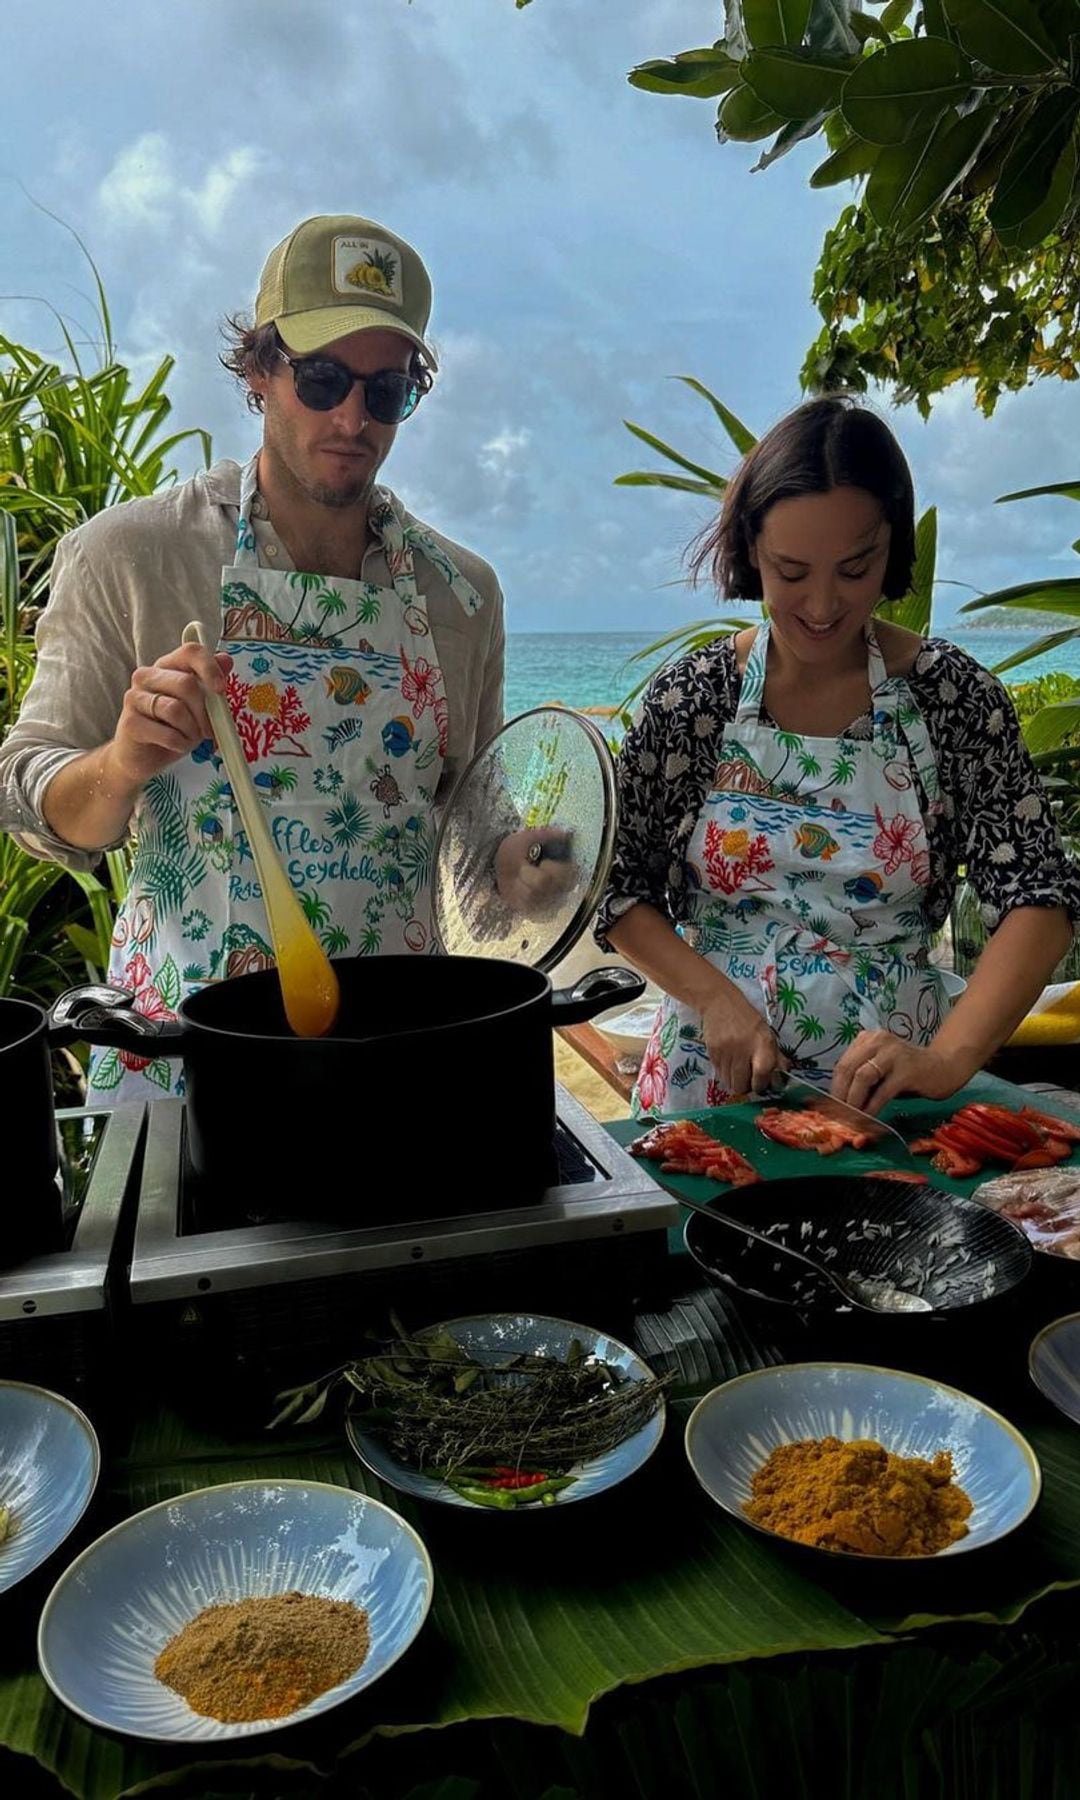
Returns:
(533, 870)
(164, 714)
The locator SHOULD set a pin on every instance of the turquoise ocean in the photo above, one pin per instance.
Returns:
(595, 668)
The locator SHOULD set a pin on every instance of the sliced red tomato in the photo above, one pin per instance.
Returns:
(804, 1130)
(955, 1163)
(682, 1147)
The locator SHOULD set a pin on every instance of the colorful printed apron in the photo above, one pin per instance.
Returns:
(808, 870)
(343, 718)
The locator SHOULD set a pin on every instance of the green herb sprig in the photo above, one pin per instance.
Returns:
(435, 1407)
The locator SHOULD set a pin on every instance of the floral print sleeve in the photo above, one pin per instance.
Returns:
(996, 808)
(992, 815)
(664, 767)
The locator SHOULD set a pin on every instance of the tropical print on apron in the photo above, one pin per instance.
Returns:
(342, 713)
(807, 874)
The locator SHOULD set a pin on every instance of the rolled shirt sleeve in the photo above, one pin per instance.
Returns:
(83, 669)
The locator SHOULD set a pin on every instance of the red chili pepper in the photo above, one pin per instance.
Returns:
(505, 1477)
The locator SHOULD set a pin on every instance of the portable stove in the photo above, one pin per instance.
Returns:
(56, 1304)
(265, 1298)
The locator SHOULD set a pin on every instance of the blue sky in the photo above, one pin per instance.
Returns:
(587, 243)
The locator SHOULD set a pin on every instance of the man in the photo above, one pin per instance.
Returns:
(361, 652)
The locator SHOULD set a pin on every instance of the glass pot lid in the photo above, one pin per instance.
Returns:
(526, 841)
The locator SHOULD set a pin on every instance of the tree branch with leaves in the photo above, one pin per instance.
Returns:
(959, 120)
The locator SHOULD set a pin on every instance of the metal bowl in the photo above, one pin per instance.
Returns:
(733, 1430)
(947, 1249)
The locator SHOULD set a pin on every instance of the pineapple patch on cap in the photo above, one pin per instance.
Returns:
(367, 265)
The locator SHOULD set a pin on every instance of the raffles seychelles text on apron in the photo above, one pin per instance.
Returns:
(342, 713)
(807, 874)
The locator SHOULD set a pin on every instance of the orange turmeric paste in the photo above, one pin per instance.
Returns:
(860, 1498)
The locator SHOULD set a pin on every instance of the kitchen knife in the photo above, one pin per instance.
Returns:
(795, 1094)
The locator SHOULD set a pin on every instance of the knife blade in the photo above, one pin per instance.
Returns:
(796, 1093)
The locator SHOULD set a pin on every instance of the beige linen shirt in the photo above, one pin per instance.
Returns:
(126, 583)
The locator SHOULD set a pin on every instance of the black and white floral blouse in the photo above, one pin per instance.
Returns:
(993, 816)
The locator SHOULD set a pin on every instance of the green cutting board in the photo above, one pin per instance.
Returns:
(912, 1117)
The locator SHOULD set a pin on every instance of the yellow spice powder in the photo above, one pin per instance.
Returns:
(860, 1498)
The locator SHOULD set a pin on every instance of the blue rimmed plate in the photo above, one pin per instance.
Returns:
(1054, 1364)
(49, 1463)
(122, 1600)
(734, 1429)
(493, 1338)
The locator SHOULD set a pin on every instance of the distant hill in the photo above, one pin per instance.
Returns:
(1008, 618)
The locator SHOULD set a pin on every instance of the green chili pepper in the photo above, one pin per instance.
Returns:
(502, 1498)
(540, 1490)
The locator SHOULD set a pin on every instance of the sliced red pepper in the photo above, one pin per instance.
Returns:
(1003, 1124)
(1036, 1159)
(980, 1140)
(913, 1179)
(1059, 1128)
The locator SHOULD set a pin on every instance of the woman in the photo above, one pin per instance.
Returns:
(796, 800)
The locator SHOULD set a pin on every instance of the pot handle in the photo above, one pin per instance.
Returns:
(105, 1017)
(595, 993)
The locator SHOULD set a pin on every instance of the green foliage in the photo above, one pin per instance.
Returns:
(961, 119)
(73, 440)
(956, 305)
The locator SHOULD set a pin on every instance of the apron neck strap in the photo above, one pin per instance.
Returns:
(246, 549)
(399, 537)
(752, 691)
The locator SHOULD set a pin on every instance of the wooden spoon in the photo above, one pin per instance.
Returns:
(309, 987)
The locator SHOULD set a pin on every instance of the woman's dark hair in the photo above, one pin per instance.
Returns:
(828, 443)
(253, 350)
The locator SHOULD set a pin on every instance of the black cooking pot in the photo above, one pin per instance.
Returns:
(26, 1087)
(33, 1218)
(449, 1109)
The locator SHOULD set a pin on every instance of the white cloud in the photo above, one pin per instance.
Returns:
(144, 187)
(140, 187)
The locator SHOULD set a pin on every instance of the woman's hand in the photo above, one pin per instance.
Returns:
(877, 1067)
(742, 1046)
(164, 713)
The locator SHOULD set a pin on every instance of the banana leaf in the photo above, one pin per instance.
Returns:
(560, 1622)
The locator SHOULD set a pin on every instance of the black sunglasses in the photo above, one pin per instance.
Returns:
(390, 395)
